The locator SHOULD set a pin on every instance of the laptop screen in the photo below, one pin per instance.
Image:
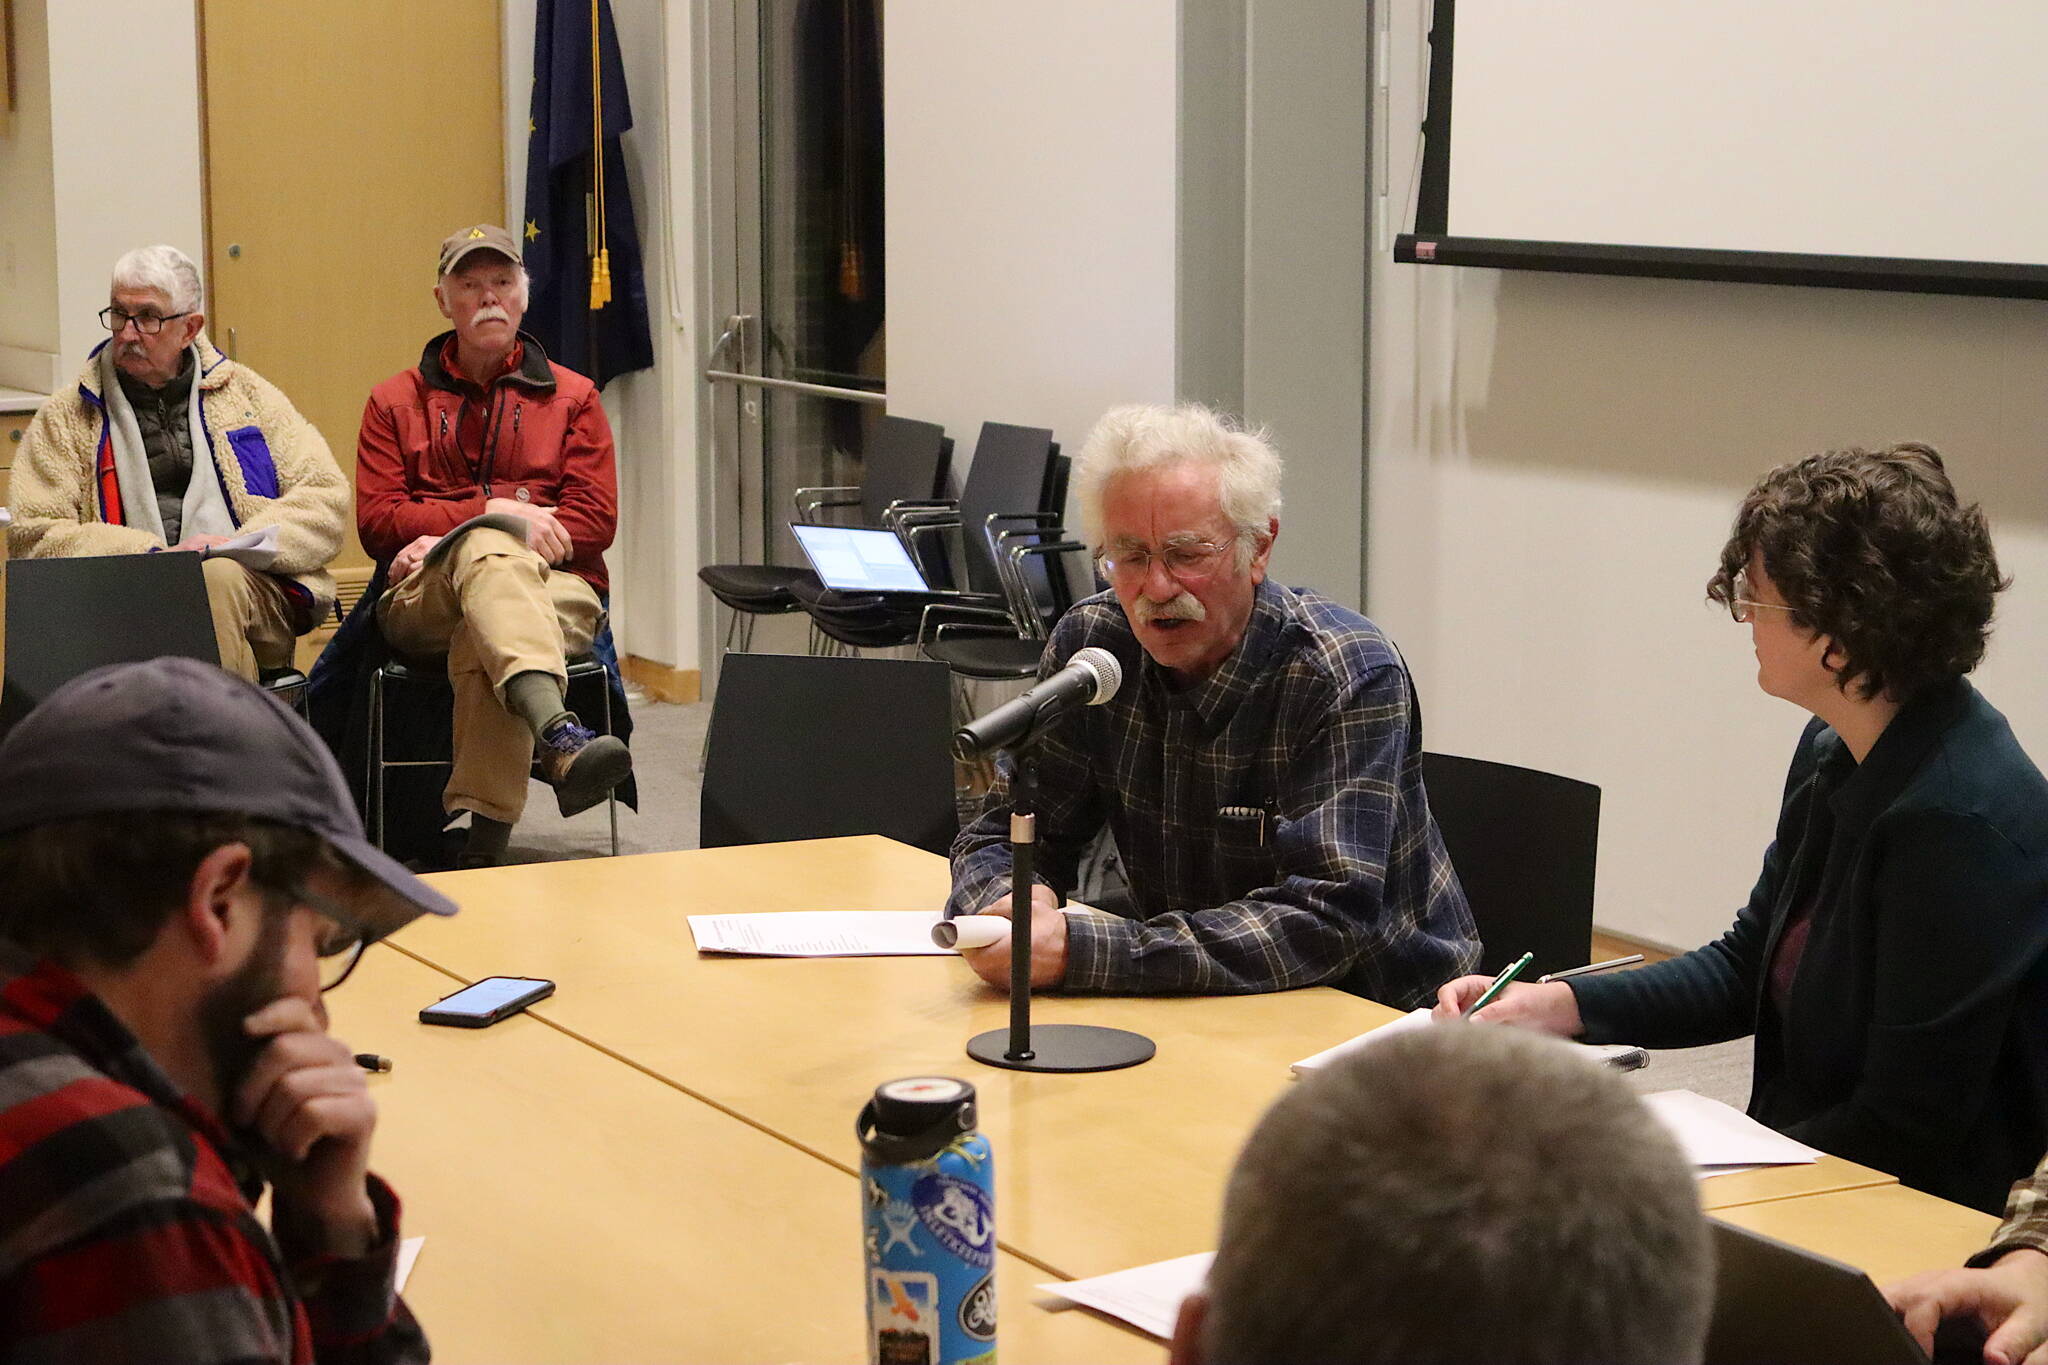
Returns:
(852, 560)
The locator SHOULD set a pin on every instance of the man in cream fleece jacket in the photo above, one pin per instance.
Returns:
(166, 444)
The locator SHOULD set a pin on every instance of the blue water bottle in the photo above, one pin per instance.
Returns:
(927, 1184)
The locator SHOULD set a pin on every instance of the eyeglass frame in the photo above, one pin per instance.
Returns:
(138, 319)
(362, 935)
(1741, 607)
(1109, 564)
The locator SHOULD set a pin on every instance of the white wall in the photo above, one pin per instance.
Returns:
(1556, 460)
(28, 217)
(85, 175)
(126, 171)
(1031, 212)
(653, 412)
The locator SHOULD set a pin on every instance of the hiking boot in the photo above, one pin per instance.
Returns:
(582, 765)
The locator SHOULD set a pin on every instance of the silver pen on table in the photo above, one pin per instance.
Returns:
(1631, 960)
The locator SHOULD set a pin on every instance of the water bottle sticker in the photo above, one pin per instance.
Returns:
(899, 1221)
(960, 1214)
(905, 1316)
(978, 1310)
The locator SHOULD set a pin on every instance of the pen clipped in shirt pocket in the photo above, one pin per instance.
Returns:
(1246, 858)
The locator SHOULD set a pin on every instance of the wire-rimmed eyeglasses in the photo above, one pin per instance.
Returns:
(1190, 561)
(1743, 607)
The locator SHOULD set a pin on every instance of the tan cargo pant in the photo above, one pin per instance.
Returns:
(496, 609)
(252, 618)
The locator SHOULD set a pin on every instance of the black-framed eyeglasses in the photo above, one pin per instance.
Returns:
(149, 324)
(1744, 608)
(342, 943)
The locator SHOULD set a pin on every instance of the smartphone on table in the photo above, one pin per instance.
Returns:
(486, 1002)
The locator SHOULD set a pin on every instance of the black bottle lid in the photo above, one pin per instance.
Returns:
(914, 1118)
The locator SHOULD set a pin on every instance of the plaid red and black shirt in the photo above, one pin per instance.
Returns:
(126, 1232)
(1271, 819)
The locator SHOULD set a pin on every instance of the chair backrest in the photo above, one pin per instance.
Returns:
(69, 616)
(804, 747)
(1525, 844)
(904, 460)
(1012, 471)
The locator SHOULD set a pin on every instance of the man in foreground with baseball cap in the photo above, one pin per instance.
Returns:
(487, 425)
(184, 874)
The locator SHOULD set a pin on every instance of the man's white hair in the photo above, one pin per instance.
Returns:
(1147, 435)
(165, 269)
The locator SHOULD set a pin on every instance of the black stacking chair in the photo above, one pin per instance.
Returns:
(804, 747)
(69, 616)
(985, 645)
(1016, 470)
(905, 464)
(1525, 844)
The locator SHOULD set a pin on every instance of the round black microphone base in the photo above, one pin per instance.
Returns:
(1064, 1047)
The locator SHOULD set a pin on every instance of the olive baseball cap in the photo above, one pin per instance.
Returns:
(483, 237)
(175, 734)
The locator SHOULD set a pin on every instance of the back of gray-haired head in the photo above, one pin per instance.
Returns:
(1146, 435)
(1466, 1192)
(165, 269)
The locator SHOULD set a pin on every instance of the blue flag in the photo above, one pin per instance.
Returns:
(579, 210)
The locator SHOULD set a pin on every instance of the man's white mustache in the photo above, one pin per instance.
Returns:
(492, 313)
(1186, 607)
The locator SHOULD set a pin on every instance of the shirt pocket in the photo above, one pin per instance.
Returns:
(252, 453)
(1246, 856)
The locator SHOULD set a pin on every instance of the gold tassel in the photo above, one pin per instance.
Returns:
(851, 286)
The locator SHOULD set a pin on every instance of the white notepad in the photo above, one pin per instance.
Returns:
(1147, 1296)
(1615, 1054)
(1720, 1139)
(821, 933)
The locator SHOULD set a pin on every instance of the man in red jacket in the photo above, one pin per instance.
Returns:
(486, 427)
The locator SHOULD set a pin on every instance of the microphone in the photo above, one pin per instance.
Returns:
(1090, 678)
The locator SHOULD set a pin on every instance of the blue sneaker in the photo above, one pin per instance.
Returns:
(582, 765)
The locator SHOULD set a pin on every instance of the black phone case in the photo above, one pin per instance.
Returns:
(432, 1014)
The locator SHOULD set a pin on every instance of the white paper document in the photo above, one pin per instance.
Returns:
(1147, 1297)
(821, 933)
(1719, 1139)
(408, 1252)
(1618, 1055)
(252, 549)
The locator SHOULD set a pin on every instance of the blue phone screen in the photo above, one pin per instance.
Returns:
(488, 995)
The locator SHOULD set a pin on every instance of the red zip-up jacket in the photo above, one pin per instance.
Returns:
(434, 447)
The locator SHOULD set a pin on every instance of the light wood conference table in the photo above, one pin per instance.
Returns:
(576, 1209)
(1886, 1231)
(1094, 1172)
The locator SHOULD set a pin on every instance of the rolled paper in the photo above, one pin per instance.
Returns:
(970, 931)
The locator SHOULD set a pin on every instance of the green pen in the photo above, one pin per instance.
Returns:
(1500, 983)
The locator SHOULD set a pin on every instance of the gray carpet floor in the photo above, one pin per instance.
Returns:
(668, 743)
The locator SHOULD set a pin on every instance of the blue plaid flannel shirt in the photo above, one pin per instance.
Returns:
(1340, 877)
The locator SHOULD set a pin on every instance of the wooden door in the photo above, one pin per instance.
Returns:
(343, 142)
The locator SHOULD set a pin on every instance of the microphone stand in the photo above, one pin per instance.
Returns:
(1052, 1047)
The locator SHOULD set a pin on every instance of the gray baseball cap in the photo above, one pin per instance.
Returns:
(176, 734)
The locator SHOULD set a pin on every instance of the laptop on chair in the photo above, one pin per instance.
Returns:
(1776, 1304)
(852, 559)
(69, 616)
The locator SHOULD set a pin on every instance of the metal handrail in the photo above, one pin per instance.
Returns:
(762, 381)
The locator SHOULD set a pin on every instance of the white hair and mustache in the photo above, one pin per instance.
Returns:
(490, 312)
(1184, 606)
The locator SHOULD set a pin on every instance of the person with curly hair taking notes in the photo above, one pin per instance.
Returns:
(1890, 961)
